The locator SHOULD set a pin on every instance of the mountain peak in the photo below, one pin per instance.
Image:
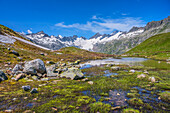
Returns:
(134, 28)
(96, 35)
(40, 32)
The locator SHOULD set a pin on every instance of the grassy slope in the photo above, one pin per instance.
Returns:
(29, 52)
(157, 47)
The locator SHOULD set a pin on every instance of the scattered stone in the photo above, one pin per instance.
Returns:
(19, 76)
(26, 88)
(109, 65)
(51, 71)
(25, 97)
(118, 94)
(3, 76)
(14, 99)
(152, 79)
(72, 73)
(115, 68)
(17, 67)
(34, 77)
(45, 79)
(8, 111)
(34, 98)
(85, 79)
(141, 76)
(34, 90)
(42, 54)
(27, 111)
(9, 49)
(50, 62)
(90, 82)
(34, 67)
(14, 52)
(146, 72)
(77, 62)
(132, 71)
(54, 108)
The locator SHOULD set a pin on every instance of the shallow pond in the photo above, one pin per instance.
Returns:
(132, 61)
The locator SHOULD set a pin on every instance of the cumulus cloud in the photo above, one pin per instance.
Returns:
(29, 31)
(103, 25)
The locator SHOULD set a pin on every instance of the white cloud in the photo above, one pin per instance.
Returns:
(29, 31)
(103, 25)
(124, 14)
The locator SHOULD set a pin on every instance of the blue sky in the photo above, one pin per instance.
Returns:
(80, 17)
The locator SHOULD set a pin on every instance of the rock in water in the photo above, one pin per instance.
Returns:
(26, 88)
(3, 76)
(73, 73)
(34, 66)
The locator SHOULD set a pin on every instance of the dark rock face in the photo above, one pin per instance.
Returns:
(154, 24)
(96, 35)
(135, 29)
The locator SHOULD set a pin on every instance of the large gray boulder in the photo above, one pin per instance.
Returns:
(3, 76)
(34, 67)
(72, 73)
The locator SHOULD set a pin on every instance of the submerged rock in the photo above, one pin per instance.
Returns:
(72, 73)
(34, 66)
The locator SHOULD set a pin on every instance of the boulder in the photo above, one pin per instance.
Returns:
(90, 82)
(141, 76)
(17, 67)
(72, 73)
(34, 67)
(51, 71)
(3, 76)
(14, 52)
(132, 71)
(26, 88)
(115, 68)
(34, 90)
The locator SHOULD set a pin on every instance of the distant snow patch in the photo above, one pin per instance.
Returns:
(6, 39)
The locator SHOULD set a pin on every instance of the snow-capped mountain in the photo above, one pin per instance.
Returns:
(115, 42)
(57, 42)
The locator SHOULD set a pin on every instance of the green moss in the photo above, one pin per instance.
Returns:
(132, 95)
(165, 96)
(99, 107)
(135, 102)
(130, 110)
